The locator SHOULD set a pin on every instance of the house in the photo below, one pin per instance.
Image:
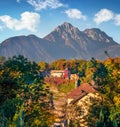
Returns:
(57, 73)
(79, 101)
(60, 73)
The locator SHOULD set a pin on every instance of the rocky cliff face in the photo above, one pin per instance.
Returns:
(85, 44)
(98, 35)
(66, 41)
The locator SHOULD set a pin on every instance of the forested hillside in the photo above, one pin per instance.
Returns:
(27, 97)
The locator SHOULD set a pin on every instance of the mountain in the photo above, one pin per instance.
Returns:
(98, 35)
(84, 44)
(31, 47)
(65, 41)
(103, 43)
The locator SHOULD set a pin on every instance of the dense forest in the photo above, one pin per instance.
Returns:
(26, 96)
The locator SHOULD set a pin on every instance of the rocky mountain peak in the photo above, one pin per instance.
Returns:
(67, 27)
(65, 32)
(66, 41)
(98, 35)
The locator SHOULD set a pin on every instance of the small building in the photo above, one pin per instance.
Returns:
(60, 73)
(82, 97)
(57, 73)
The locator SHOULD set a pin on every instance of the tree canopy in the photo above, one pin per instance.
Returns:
(24, 99)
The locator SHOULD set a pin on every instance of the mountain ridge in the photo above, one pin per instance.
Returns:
(65, 41)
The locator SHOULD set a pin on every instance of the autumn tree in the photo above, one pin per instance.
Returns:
(106, 76)
(58, 64)
(22, 91)
(43, 65)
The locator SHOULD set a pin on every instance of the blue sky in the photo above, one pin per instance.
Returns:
(40, 17)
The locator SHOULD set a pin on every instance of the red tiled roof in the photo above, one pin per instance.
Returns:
(78, 98)
(81, 91)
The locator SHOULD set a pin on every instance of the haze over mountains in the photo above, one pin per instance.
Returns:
(66, 41)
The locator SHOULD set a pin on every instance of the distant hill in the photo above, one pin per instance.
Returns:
(66, 41)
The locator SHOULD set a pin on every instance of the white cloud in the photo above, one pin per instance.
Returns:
(29, 21)
(103, 15)
(43, 4)
(75, 14)
(117, 19)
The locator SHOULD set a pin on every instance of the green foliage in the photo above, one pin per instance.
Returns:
(106, 75)
(96, 71)
(23, 97)
(58, 64)
(100, 74)
(24, 70)
(66, 87)
(104, 119)
(75, 66)
(63, 85)
(18, 119)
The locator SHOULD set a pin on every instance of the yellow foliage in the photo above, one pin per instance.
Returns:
(15, 73)
(117, 100)
(12, 125)
(1, 72)
(37, 122)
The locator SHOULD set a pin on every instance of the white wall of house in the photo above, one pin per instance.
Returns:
(84, 103)
(56, 73)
